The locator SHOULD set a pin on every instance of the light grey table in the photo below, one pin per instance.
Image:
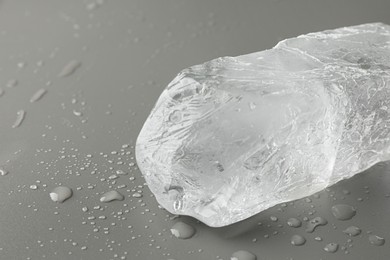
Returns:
(83, 129)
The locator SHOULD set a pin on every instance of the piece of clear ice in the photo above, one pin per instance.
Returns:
(236, 135)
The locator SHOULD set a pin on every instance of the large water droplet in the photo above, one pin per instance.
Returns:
(315, 222)
(331, 247)
(376, 240)
(298, 240)
(111, 195)
(60, 194)
(352, 231)
(243, 255)
(294, 222)
(343, 211)
(182, 230)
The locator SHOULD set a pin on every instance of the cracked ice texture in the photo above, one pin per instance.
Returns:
(236, 135)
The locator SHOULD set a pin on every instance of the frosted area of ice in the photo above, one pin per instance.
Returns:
(236, 135)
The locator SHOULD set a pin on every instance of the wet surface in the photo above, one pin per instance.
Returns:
(77, 81)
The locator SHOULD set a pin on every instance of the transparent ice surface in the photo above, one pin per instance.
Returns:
(236, 135)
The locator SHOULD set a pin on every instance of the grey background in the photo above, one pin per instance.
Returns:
(130, 50)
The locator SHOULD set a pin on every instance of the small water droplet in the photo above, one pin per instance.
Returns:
(294, 222)
(91, 6)
(11, 83)
(69, 68)
(111, 195)
(376, 240)
(137, 195)
(331, 247)
(243, 255)
(318, 238)
(343, 211)
(38, 95)
(3, 172)
(20, 115)
(352, 231)
(113, 177)
(317, 196)
(314, 223)
(298, 240)
(77, 113)
(120, 172)
(21, 65)
(33, 187)
(182, 230)
(273, 218)
(60, 194)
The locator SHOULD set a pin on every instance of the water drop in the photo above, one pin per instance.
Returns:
(273, 218)
(33, 187)
(376, 240)
(343, 211)
(314, 223)
(298, 240)
(182, 230)
(243, 255)
(331, 247)
(60, 194)
(137, 195)
(120, 172)
(352, 231)
(3, 172)
(91, 6)
(294, 222)
(20, 115)
(69, 68)
(38, 95)
(111, 195)
(77, 113)
(11, 83)
(21, 65)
